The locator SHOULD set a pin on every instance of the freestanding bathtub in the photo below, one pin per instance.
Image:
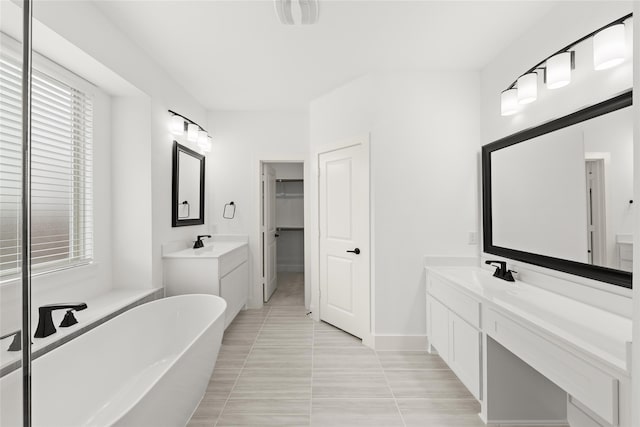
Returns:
(149, 366)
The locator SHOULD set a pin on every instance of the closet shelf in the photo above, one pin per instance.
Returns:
(289, 195)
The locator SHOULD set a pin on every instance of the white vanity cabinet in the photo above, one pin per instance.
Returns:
(453, 322)
(220, 268)
(531, 356)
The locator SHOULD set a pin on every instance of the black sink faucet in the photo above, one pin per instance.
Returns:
(199, 243)
(45, 322)
(501, 272)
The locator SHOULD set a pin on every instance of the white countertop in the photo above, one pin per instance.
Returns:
(596, 331)
(214, 249)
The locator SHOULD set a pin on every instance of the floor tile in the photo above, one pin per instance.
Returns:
(266, 412)
(210, 408)
(410, 360)
(273, 383)
(355, 412)
(239, 337)
(345, 358)
(279, 358)
(426, 384)
(285, 338)
(440, 412)
(349, 384)
(247, 420)
(222, 382)
(334, 338)
(232, 356)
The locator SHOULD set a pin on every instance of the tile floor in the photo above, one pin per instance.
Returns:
(277, 367)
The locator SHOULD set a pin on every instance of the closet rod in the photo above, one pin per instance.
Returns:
(289, 180)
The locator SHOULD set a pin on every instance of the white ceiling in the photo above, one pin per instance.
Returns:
(235, 55)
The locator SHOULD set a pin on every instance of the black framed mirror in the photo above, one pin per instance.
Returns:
(560, 195)
(188, 187)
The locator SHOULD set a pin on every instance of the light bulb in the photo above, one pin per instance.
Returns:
(202, 138)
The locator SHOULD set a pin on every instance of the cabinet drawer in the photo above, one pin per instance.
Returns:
(597, 390)
(232, 259)
(459, 302)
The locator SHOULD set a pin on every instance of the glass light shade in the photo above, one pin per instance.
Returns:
(509, 102)
(609, 47)
(192, 132)
(203, 138)
(177, 125)
(559, 70)
(206, 145)
(527, 88)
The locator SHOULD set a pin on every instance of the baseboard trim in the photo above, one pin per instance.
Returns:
(400, 342)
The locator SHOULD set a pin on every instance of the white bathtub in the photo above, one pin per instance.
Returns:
(150, 366)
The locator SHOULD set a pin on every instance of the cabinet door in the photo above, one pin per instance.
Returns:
(439, 319)
(465, 353)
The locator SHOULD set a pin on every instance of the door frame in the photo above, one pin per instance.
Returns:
(256, 291)
(364, 141)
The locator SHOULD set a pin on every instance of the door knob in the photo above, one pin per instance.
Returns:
(355, 251)
(277, 235)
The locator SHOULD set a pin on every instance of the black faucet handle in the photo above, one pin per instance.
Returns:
(200, 236)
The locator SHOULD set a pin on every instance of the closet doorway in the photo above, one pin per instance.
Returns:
(282, 234)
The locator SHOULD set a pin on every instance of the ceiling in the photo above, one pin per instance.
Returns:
(235, 55)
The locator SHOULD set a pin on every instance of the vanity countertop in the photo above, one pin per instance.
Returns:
(214, 249)
(592, 329)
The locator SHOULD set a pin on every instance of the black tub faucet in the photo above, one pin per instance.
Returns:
(198, 243)
(16, 344)
(501, 271)
(45, 321)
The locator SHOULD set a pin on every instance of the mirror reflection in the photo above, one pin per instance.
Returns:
(188, 186)
(568, 194)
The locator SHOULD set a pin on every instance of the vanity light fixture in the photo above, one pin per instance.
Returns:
(509, 102)
(195, 133)
(527, 88)
(609, 47)
(609, 50)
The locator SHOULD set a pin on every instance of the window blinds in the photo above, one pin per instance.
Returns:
(62, 163)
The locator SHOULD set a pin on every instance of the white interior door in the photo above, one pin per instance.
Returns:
(344, 238)
(269, 269)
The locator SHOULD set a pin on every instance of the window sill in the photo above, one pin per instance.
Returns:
(100, 309)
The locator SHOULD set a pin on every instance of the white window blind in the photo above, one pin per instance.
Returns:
(62, 163)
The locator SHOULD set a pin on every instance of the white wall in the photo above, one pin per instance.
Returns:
(96, 36)
(240, 141)
(568, 22)
(93, 48)
(425, 136)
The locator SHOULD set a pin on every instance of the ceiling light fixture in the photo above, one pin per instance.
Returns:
(291, 12)
(195, 132)
(609, 50)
